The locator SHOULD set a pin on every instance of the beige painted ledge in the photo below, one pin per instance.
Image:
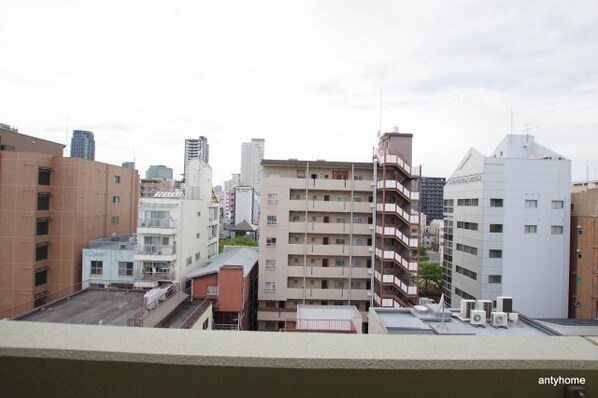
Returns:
(293, 350)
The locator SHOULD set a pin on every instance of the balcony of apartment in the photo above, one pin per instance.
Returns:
(393, 208)
(409, 266)
(393, 232)
(408, 290)
(328, 250)
(394, 160)
(320, 326)
(328, 272)
(397, 186)
(156, 226)
(155, 273)
(161, 253)
(329, 228)
(319, 294)
(276, 314)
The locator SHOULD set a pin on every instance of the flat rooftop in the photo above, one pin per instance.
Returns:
(404, 321)
(91, 307)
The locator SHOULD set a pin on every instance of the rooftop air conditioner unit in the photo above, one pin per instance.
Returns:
(466, 307)
(485, 305)
(504, 304)
(478, 318)
(514, 317)
(500, 319)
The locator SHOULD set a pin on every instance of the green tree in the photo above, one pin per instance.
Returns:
(237, 241)
(430, 276)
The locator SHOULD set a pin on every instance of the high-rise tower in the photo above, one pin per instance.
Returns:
(83, 145)
(252, 154)
(196, 148)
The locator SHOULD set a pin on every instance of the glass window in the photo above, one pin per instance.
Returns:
(43, 201)
(270, 264)
(270, 286)
(44, 176)
(116, 199)
(41, 276)
(42, 226)
(496, 203)
(272, 198)
(41, 251)
(271, 242)
(115, 220)
(557, 204)
(531, 203)
(125, 268)
(495, 253)
(271, 220)
(117, 179)
(530, 229)
(495, 228)
(556, 229)
(97, 267)
(494, 278)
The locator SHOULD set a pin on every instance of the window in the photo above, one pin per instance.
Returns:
(96, 267)
(270, 286)
(496, 202)
(466, 272)
(355, 285)
(115, 220)
(197, 235)
(358, 220)
(357, 198)
(43, 201)
(189, 260)
(125, 268)
(41, 276)
(43, 226)
(530, 229)
(495, 253)
(531, 203)
(43, 176)
(496, 228)
(464, 294)
(41, 251)
(117, 179)
(339, 284)
(557, 204)
(341, 220)
(339, 263)
(357, 241)
(272, 198)
(579, 230)
(467, 202)
(355, 263)
(271, 220)
(270, 242)
(116, 199)
(197, 256)
(340, 241)
(494, 278)
(579, 256)
(467, 249)
(211, 289)
(467, 225)
(556, 229)
(270, 264)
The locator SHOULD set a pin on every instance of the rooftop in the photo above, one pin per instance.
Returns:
(315, 163)
(245, 257)
(91, 307)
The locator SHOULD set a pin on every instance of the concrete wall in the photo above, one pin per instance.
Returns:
(67, 359)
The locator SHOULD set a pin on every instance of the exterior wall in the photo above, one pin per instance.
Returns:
(533, 266)
(200, 285)
(207, 316)
(12, 140)
(81, 209)
(244, 205)
(230, 289)
(111, 257)
(583, 294)
(313, 212)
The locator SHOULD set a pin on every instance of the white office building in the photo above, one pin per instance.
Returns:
(252, 154)
(507, 228)
(246, 205)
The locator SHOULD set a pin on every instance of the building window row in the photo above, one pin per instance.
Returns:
(494, 278)
(467, 202)
(466, 272)
(467, 249)
(473, 226)
(41, 276)
(495, 228)
(464, 294)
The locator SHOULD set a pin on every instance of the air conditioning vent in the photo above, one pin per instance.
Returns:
(485, 305)
(478, 318)
(500, 319)
(514, 318)
(466, 307)
(504, 304)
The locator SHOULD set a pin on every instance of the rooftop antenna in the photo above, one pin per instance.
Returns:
(380, 126)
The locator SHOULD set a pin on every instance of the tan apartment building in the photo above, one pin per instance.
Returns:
(50, 208)
(583, 280)
(318, 227)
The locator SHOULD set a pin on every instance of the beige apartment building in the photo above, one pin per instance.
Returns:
(50, 208)
(319, 236)
(583, 281)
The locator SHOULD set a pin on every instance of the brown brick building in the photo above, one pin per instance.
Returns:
(50, 208)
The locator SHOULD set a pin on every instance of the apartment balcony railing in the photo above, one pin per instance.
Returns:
(320, 325)
(395, 233)
(394, 160)
(397, 186)
(165, 250)
(409, 290)
(393, 208)
(149, 275)
(156, 223)
(410, 266)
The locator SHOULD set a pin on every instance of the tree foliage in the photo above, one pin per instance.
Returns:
(237, 241)
(430, 275)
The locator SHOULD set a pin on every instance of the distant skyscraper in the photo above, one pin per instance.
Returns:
(252, 154)
(196, 148)
(159, 171)
(432, 190)
(128, 165)
(83, 145)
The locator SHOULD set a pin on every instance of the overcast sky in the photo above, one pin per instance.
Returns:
(304, 75)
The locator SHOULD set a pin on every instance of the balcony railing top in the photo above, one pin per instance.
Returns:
(156, 223)
(115, 242)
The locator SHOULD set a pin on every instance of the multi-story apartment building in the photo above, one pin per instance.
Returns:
(50, 208)
(317, 232)
(83, 145)
(196, 148)
(507, 220)
(252, 154)
(432, 190)
(583, 278)
(152, 186)
(159, 171)
(178, 231)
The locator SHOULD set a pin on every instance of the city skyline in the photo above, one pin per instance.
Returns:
(450, 74)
